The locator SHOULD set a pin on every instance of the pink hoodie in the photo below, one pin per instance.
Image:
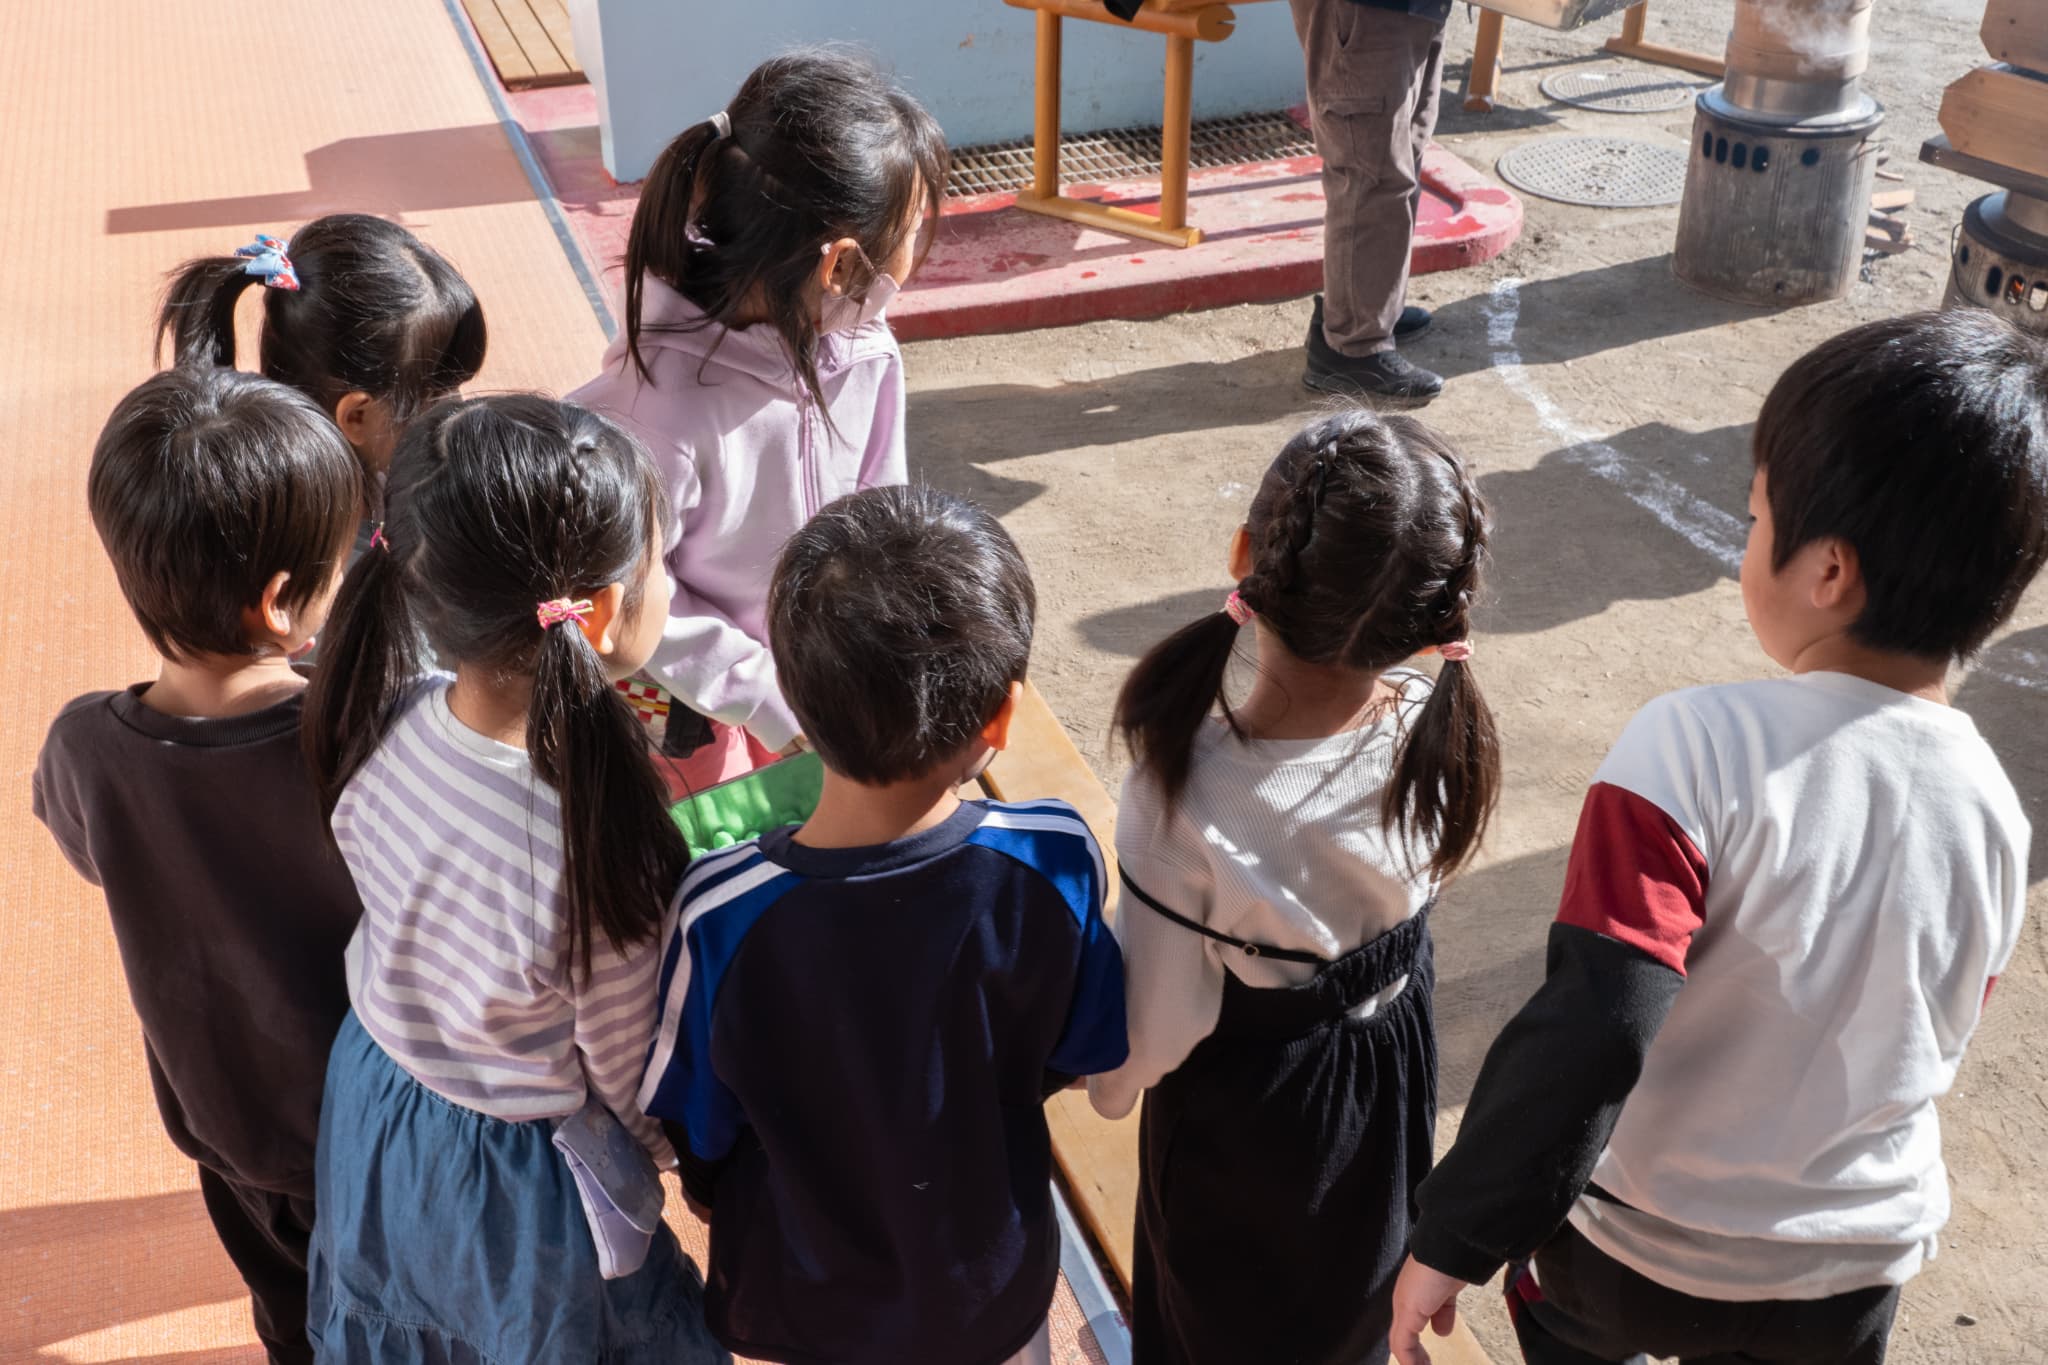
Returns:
(747, 459)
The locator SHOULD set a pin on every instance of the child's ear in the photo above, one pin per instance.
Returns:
(1240, 565)
(269, 616)
(1838, 581)
(836, 267)
(996, 734)
(606, 620)
(354, 416)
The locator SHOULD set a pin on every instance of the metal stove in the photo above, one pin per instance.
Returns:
(1998, 258)
(1784, 154)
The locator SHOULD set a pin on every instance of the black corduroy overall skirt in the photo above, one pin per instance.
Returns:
(1279, 1165)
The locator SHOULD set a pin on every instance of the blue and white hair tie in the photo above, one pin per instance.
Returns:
(266, 260)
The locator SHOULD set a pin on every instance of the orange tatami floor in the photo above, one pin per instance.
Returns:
(133, 137)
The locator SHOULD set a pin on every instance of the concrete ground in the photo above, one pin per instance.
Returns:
(1609, 412)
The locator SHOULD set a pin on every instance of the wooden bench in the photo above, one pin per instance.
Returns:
(1483, 79)
(1098, 1157)
(1183, 23)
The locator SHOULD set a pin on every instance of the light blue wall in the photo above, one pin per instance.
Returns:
(661, 65)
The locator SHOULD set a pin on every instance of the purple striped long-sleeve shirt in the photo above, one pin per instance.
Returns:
(460, 966)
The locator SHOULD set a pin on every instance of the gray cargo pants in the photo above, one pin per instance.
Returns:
(1374, 76)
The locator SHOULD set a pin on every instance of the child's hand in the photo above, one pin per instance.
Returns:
(1421, 1296)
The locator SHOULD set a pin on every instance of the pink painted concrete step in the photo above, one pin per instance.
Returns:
(996, 269)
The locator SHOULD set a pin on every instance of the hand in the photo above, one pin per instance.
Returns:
(1421, 1296)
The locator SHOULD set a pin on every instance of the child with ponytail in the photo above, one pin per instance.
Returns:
(359, 315)
(488, 1183)
(755, 364)
(1279, 857)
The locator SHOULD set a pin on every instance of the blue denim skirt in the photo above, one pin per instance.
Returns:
(447, 1237)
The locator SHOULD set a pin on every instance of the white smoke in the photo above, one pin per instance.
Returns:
(1824, 34)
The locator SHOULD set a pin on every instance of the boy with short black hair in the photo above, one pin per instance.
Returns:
(227, 504)
(862, 1016)
(1711, 1134)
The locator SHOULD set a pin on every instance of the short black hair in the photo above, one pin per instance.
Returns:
(899, 617)
(1922, 442)
(204, 484)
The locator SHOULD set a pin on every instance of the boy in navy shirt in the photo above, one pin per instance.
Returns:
(861, 1017)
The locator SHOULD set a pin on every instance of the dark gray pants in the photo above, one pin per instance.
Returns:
(267, 1236)
(1586, 1308)
(1374, 77)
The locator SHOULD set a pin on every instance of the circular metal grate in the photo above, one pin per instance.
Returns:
(1600, 172)
(1621, 89)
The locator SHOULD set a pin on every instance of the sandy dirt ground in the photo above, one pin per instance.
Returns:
(1609, 411)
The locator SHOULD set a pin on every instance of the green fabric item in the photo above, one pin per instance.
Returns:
(783, 793)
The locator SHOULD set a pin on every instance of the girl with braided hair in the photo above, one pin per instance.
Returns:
(1280, 855)
(489, 1184)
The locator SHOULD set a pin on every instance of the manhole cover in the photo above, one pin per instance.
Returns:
(1130, 153)
(1620, 89)
(1601, 172)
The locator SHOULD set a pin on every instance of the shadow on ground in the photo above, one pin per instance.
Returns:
(67, 1277)
(1490, 930)
(1632, 302)
(2006, 693)
(1559, 551)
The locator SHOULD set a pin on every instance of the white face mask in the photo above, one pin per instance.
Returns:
(843, 313)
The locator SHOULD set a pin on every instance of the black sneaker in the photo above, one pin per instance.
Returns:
(1385, 380)
(1413, 322)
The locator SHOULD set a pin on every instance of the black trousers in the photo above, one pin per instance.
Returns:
(266, 1235)
(1586, 1308)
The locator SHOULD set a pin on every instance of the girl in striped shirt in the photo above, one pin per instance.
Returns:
(491, 1184)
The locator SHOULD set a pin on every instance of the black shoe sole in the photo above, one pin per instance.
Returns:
(1337, 386)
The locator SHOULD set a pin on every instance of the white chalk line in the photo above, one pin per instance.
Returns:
(1710, 529)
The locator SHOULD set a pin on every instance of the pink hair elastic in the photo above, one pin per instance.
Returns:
(552, 614)
(377, 541)
(1238, 610)
(1456, 652)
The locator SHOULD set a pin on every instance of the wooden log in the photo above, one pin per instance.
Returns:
(2016, 31)
(1176, 135)
(1891, 201)
(1999, 114)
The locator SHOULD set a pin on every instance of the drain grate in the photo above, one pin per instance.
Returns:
(1129, 154)
(1600, 172)
(1621, 89)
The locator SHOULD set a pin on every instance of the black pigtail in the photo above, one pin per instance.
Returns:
(621, 850)
(198, 313)
(1446, 777)
(370, 658)
(1168, 697)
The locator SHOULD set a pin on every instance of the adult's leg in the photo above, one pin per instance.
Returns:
(1429, 89)
(1849, 1329)
(1367, 70)
(266, 1235)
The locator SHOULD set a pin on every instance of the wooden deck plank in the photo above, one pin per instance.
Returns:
(553, 16)
(1098, 1157)
(547, 63)
(499, 42)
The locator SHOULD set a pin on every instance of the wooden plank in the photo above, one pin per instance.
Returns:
(548, 66)
(1891, 201)
(496, 35)
(2016, 31)
(554, 18)
(1109, 218)
(1997, 114)
(1210, 23)
(1482, 78)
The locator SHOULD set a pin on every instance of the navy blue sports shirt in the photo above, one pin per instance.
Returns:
(855, 1043)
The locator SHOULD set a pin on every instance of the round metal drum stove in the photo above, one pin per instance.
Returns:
(1784, 154)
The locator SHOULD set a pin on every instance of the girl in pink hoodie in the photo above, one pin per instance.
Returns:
(755, 364)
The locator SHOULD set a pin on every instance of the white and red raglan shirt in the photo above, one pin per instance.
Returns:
(1785, 907)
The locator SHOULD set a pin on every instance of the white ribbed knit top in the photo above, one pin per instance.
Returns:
(1275, 842)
